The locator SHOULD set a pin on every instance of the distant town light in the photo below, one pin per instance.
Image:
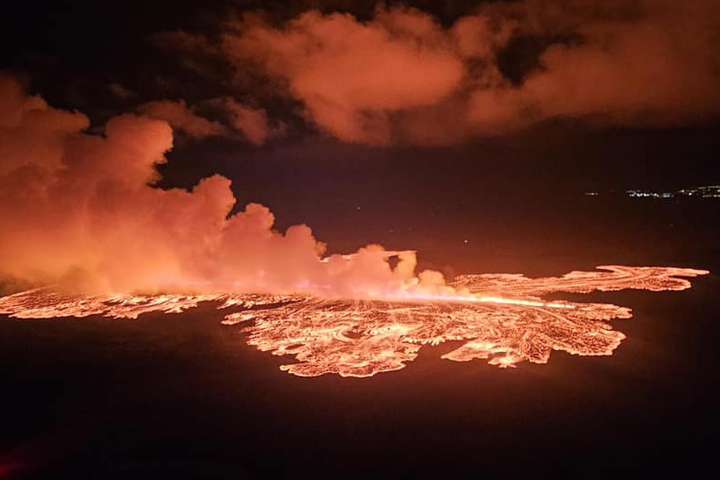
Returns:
(708, 191)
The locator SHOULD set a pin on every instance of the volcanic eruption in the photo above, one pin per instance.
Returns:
(85, 223)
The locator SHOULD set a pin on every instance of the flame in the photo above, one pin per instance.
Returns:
(500, 317)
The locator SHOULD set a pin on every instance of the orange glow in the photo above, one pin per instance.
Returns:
(500, 318)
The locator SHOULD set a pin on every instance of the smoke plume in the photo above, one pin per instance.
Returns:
(82, 211)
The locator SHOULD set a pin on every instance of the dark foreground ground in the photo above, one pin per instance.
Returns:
(181, 396)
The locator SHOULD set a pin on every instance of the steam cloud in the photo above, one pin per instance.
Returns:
(80, 210)
(252, 123)
(404, 77)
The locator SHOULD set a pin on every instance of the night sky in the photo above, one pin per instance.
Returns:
(71, 52)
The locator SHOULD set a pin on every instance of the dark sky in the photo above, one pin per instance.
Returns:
(70, 52)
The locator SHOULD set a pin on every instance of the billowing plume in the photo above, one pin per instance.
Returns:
(81, 210)
(404, 77)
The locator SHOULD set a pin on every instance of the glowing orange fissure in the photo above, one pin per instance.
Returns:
(501, 318)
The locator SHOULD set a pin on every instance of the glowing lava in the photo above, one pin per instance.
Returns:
(502, 319)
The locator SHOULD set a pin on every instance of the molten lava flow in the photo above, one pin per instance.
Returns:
(499, 317)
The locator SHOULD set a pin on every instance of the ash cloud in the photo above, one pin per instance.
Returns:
(81, 210)
(404, 77)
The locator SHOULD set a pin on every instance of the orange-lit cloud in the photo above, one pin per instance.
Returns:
(81, 210)
(251, 123)
(353, 76)
(651, 62)
(182, 118)
(404, 77)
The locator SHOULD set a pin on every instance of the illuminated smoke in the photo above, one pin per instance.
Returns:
(81, 211)
(182, 118)
(251, 123)
(500, 318)
(402, 76)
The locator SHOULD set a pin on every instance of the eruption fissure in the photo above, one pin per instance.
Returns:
(360, 338)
